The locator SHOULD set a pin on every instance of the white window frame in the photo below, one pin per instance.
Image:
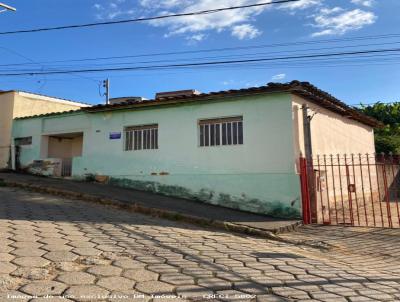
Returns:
(217, 132)
(141, 137)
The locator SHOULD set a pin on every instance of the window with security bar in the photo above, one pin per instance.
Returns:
(221, 131)
(144, 137)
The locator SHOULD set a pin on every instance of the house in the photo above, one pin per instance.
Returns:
(15, 104)
(236, 148)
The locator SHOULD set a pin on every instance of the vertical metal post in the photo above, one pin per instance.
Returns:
(371, 189)
(341, 189)
(363, 188)
(334, 189)
(387, 196)
(379, 187)
(355, 188)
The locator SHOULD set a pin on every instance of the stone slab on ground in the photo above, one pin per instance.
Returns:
(251, 223)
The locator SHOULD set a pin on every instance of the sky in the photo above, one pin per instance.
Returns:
(274, 31)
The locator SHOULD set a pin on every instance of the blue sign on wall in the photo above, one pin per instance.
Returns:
(115, 135)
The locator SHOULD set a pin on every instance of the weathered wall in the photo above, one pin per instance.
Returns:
(331, 133)
(15, 104)
(257, 176)
(6, 113)
(28, 104)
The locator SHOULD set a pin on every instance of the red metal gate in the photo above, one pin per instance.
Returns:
(351, 190)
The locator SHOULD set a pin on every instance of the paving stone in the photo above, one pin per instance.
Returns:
(28, 252)
(31, 273)
(42, 288)
(6, 268)
(5, 257)
(83, 251)
(177, 279)
(194, 292)
(140, 275)
(128, 263)
(61, 256)
(116, 283)
(105, 270)
(56, 248)
(163, 268)
(24, 244)
(31, 261)
(270, 298)
(154, 287)
(6, 249)
(87, 293)
(53, 241)
(82, 244)
(214, 284)
(76, 278)
(250, 287)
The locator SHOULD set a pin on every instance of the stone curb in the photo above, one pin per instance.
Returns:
(171, 215)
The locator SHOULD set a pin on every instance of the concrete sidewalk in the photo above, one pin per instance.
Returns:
(154, 204)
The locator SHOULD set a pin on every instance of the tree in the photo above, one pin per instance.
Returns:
(387, 139)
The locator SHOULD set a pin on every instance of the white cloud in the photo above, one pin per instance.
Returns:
(245, 31)
(236, 21)
(302, 4)
(338, 21)
(367, 3)
(278, 77)
(193, 39)
(240, 23)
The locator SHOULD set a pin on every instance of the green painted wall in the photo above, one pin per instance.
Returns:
(258, 176)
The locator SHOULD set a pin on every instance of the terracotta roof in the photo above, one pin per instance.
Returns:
(303, 89)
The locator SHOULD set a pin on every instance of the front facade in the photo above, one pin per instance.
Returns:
(16, 104)
(234, 149)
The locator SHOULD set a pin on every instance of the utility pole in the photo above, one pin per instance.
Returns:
(307, 133)
(309, 159)
(106, 85)
(6, 8)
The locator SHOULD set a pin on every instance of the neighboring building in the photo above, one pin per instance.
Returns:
(236, 148)
(15, 104)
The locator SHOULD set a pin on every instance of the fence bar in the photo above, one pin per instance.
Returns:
(355, 185)
(385, 183)
(334, 188)
(363, 189)
(370, 188)
(379, 188)
(341, 189)
(320, 191)
(327, 190)
(349, 193)
(394, 184)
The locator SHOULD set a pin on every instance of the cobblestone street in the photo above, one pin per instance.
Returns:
(87, 252)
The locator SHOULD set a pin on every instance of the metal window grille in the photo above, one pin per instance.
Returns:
(221, 132)
(141, 137)
(23, 141)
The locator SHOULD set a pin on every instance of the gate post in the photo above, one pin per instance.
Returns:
(305, 191)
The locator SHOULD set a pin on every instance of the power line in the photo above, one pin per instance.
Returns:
(203, 12)
(299, 43)
(197, 64)
(232, 56)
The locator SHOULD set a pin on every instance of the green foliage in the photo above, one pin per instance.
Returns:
(387, 139)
